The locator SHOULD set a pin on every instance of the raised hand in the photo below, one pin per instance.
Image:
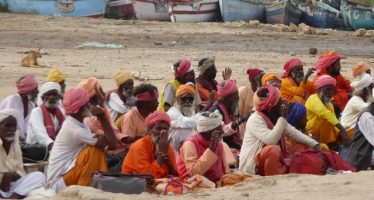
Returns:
(97, 111)
(163, 142)
(285, 106)
(309, 73)
(214, 139)
(226, 74)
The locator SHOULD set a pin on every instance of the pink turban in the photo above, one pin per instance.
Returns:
(155, 117)
(226, 88)
(90, 85)
(325, 80)
(252, 73)
(326, 60)
(74, 99)
(147, 96)
(184, 67)
(268, 102)
(26, 84)
(290, 65)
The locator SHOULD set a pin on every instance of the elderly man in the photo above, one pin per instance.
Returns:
(295, 86)
(264, 150)
(271, 79)
(360, 69)
(14, 183)
(46, 120)
(322, 122)
(55, 75)
(23, 102)
(76, 152)
(182, 115)
(152, 154)
(183, 73)
(361, 98)
(121, 99)
(204, 153)
(329, 64)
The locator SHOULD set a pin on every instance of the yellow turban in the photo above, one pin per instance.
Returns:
(269, 76)
(122, 77)
(90, 85)
(55, 75)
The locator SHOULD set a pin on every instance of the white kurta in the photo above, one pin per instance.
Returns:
(352, 111)
(116, 106)
(37, 133)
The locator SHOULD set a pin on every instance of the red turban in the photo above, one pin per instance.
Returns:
(325, 80)
(186, 88)
(290, 65)
(183, 68)
(155, 117)
(268, 102)
(147, 96)
(226, 88)
(90, 85)
(326, 60)
(26, 84)
(74, 99)
(252, 73)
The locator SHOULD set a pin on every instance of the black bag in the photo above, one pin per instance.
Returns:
(122, 183)
(34, 153)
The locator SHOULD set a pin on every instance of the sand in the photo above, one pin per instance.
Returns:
(152, 47)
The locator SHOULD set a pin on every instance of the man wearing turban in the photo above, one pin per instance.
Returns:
(329, 64)
(23, 102)
(152, 154)
(15, 183)
(204, 153)
(322, 122)
(295, 86)
(271, 79)
(46, 120)
(360, 69)
(55, 75)
(264, 149)
(183, 73)
(121, 99)
(77, 152)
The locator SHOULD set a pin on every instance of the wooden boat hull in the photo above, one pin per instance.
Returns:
(283, 13)
(120, 9)
(319, 18)
(75, 8)
(151, 10)
(236, 10)
(192, 12)
(357, 16)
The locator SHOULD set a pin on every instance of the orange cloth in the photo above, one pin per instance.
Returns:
(245, 100)
(351, 132)
(294, 93)
(133, 124)
(141, 159)
(269, 76)
(269, 161)
(186, 88)
(90, 85)
(359, 69)
(204, 93)
(89, 160)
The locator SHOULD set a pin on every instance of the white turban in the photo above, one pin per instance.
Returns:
(207, 121)
(4, 114)
(362, 83)
(46, 87)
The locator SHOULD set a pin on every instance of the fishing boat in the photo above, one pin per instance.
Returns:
(357, 16)
(283, 13)
(320, 15)
(69, 8)
(236, 10)
(193, 11)
(151, 10)
(120, 9)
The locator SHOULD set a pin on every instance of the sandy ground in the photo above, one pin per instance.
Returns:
(152, 47)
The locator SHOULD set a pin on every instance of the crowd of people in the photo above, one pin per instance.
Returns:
(196, 126)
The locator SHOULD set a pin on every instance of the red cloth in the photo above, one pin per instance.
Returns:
(226, 88)
(74, 99)
(324, 80)
(147, 96)
(342, 91)
(155, 117)
(326, 60)
(252, 73)
(26, 84)
(183, 68)
(290, 65)
(48, 123)
(269, 102)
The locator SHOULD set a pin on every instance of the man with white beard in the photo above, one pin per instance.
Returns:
(182, 115)
(46, 120)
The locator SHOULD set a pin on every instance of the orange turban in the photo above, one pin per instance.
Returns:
(359, 69)
(326, 60)
(186, 88)
(269, 76)
(155, 117)
(90, 85)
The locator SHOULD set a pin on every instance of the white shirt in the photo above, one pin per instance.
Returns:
(37, 133)
(116, 106)
(352, 111)
(72, 138)
(11, 161)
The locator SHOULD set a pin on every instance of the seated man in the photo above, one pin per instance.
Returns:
(295, 86)
(152, 154)
(361, 98)
(360, 69)
(76, 152)
(264, 149)
(55, 75)
(271, 79)
(46, 120)
(23, 102)
(322, 122)
(182, 116)
(204, 153)
(15, 184)
(121, 99)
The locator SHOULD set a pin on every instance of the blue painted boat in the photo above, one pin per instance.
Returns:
(357, 16)
(283, 13)
(320, 15)
(69, 8)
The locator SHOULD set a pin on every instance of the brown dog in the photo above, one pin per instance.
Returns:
(31, 59)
